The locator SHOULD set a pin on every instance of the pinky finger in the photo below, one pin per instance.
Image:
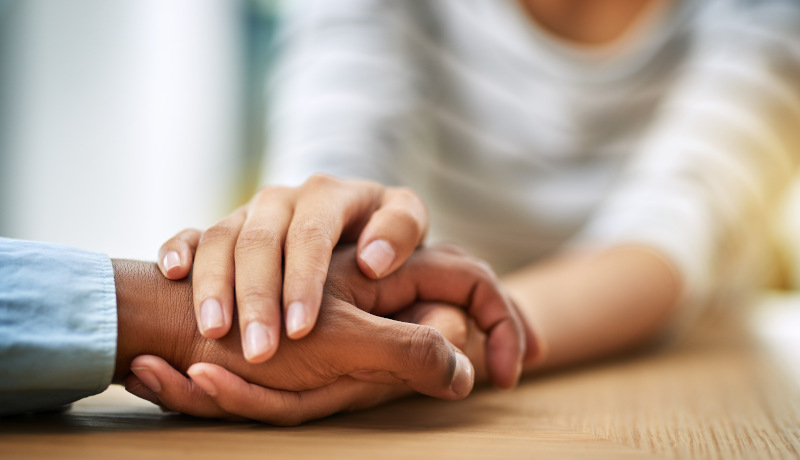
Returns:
(175, 257)
(171, 389)
(136, 387)
(287, 408)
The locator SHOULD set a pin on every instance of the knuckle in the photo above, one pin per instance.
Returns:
(320, 181)
(482, 270)
(187, 234)
(271, 193)
(309, 231)
(253, 296)
(219, 232)
(427, 348)
(254, 238)
(310, 276)
(407, 195)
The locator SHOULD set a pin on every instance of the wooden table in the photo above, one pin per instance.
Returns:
(731, 389)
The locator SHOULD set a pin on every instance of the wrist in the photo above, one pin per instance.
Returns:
(593, 304)
(536, 349)
(154, 315)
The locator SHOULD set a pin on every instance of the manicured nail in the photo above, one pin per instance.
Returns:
(201, 379)
(171, 260)
(257, 340)
(147, 377)
(211, 315)
(464, 377)
(379, 255)
(296, 318)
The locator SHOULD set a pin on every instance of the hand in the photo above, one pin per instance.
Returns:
(347, 340)
(444, 274)
(302, 225)
(155, 318)
(212, 391)
(441, 275)
(447, 274)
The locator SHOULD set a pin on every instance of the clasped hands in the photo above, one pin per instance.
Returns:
(363, 325)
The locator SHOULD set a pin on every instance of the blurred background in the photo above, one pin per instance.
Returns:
(124, 121)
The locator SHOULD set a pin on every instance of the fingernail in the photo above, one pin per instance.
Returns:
(296, 318)
(257, 340)
(171, 260)
(202, 380)
(148, 378)
(464, 377)
(379, 255)
(210, 315)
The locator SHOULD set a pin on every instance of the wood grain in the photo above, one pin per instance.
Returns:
(721, 393)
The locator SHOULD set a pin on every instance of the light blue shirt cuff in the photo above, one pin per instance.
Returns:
(58, 325)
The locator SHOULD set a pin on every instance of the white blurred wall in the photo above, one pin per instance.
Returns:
(120, 120)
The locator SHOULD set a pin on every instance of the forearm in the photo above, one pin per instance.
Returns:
(586, 306)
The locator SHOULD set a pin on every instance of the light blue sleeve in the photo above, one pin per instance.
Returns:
(58, 325)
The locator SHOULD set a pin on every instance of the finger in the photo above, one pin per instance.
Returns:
(258, 255)
(136, 387)
(175, 257)
(451, 321)
(325, 207)
(213, 276)
(173, 390)
(393, 231)
(286, 408)
(487, 304)
(456, 326)
(418, 355)
(436, 276)
(450, 248)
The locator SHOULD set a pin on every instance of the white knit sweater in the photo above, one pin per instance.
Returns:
(677, 136)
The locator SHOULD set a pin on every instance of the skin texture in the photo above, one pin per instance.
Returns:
(449, 277)
(352, 359)
(594, 304)
(301, 226)
(212, 391)
(584, 306)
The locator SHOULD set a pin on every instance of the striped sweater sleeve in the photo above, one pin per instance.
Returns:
(334, 55)
(726, 142)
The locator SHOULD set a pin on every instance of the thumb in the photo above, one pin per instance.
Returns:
(418, 355)
(392, 233)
